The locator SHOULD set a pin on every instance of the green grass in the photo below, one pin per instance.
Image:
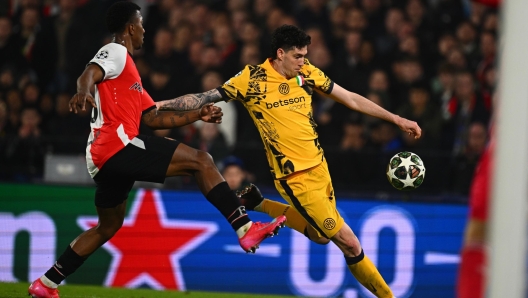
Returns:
(15, 290)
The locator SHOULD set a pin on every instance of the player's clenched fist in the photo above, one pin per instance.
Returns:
(211, 113)
(410, 127)
(78, 101)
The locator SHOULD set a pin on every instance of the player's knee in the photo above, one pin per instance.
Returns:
(347, 242)
(351, 247)
(204, 159)
(108, 230)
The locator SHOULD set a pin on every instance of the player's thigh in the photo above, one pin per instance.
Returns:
(110, 190)
(145, 158)
(185, 160)
(315, 236)
(312, 195)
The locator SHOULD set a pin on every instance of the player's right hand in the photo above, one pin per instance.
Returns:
(78, 101)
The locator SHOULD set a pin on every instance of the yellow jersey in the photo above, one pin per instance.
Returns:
(282, 111)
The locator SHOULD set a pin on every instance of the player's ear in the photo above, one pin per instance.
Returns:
(131, 28)
(280, 53)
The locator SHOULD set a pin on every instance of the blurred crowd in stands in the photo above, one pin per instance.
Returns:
(432, 61)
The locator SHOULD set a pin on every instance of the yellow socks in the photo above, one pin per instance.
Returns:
(361, 266)
(366, 273)
(274, 209)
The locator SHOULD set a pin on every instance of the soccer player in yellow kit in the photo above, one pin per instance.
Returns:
(278, 96)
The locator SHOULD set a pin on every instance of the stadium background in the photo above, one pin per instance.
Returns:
(432, 61)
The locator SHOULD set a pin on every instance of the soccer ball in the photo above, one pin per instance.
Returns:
(405, 171)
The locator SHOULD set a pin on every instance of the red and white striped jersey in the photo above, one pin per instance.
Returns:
(120, 101)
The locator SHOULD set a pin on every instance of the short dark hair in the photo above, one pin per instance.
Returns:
(120, 14)
(287, 37)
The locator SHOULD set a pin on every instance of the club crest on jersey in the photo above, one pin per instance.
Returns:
(102, 54)
(137, 87)
(284, 88)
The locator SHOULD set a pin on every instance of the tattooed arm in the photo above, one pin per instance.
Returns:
(162, 120)
(189, 101)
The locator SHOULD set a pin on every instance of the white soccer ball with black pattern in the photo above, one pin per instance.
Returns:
(406, 171)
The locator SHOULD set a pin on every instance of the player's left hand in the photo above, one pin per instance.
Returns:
(410, 127)
(211, 113)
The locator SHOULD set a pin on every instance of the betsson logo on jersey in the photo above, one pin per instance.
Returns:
(292, 103)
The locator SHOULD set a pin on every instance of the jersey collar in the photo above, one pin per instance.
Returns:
(267, 65)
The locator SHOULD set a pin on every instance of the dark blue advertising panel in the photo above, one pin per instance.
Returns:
(415, 246)
(177, 240)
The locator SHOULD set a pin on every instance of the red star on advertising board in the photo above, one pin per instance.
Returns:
(148, 247)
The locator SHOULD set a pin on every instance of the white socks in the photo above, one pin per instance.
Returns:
(47, 282)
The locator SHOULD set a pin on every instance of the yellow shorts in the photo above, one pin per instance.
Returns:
(311, 193)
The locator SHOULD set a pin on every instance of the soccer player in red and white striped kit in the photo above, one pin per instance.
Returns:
(117, 155)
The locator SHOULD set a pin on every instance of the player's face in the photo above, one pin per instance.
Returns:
(137, 31)
(293, 60)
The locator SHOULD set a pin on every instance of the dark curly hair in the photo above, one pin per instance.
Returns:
(120, 14)
(287, 37)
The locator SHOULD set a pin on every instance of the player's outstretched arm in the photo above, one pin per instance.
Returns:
(92, 74)
(361, 104)
(163, 120)
(189, 101)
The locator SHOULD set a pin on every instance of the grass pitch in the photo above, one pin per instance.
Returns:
(16, 290)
